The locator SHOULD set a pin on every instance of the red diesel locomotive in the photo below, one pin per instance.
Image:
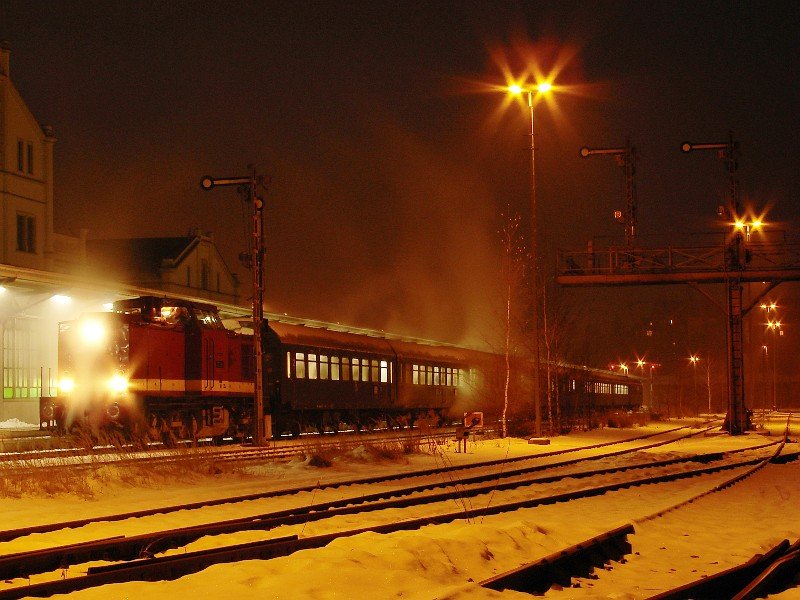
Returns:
(166, 368)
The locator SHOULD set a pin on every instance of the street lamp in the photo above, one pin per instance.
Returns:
(775, 327)
(693, 359)
(534, 91)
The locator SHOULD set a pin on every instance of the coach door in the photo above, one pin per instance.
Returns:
(215, 377)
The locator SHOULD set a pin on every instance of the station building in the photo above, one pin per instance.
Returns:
(47, 277)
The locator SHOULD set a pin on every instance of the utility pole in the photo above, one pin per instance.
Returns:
(250, 186)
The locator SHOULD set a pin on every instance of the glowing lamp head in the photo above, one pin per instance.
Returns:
(515, 89)
(66, 385)
(544, 87)
(118, 384)
(92, 332)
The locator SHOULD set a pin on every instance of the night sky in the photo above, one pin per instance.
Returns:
(392, 160)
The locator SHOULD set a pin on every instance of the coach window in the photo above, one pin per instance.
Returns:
(345, 368)
(435, 375)
(323, 366)
(356, 369)
(428, 375)
(335, 368)
(375, 373)
(288, 363)
(415, 375)
(384, 372)
(312, 366)
(300, 365)
(364, 369)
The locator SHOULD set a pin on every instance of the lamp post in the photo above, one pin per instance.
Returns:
(532, 92)
(775, 327)
(693, 359)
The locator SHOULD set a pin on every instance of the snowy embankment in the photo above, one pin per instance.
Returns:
(447, 560)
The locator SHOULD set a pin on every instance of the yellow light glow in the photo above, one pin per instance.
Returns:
(757, 224)
(544, 87)
(118, 384)
(739, 224)
(515, 89)
(66, 385)
(61, 299)
(92, 332)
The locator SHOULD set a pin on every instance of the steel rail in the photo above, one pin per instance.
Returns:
(560, 567)
(780, 564)
(129, 548)
(11, 534)
(171, 567)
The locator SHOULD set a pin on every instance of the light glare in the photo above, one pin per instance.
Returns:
(92, 331)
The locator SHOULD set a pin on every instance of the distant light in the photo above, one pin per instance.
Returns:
(739, 224)
(61, 299)
(757, 224)
(108, 306)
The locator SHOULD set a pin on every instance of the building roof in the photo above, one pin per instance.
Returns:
(138, 258)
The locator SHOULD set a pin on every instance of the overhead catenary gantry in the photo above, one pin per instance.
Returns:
(736, 261)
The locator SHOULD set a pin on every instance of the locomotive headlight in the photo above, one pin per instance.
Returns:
(66, 385)
(92, 332)
(118, 384)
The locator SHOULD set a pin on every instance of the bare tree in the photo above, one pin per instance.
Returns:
(513, 269)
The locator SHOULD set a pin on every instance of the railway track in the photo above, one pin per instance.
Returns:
(441, 471)
(171, 566)
(772, 571)
(82, 458)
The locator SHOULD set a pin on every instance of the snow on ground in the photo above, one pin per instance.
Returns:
(442, 561)
(17, 425)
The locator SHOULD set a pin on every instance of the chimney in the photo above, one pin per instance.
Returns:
(5, 55)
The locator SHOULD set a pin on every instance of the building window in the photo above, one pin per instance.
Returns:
(22, 370)
(20, 156)
(26, 233)
(30, 158)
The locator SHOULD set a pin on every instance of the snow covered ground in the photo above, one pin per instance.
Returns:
(439, 561)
